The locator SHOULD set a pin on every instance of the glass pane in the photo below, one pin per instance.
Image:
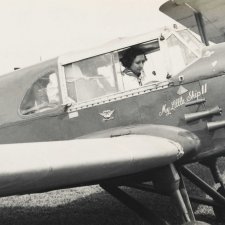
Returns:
(91, 78)
(191, 40)
(154, 67)
(42, 96)
(179, 54)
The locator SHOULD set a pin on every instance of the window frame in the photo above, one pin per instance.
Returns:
(65, 96)
(121, 94)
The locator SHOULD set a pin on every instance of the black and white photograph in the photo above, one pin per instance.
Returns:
(112, 112)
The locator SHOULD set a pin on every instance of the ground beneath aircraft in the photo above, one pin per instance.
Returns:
(89, 205)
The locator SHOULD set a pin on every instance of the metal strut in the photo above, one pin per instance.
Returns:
(196, 199)
(134, 205)
(186, 199)
(171, 184)
(180, 197)
(203, 185)
(213, 166)
(201, 27)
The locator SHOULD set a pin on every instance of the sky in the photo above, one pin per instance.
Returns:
(37, 30)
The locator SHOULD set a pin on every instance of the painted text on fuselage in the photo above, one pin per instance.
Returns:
(168, 109)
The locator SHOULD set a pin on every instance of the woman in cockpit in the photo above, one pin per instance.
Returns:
(133, 75)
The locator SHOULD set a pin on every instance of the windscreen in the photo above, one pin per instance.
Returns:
(179, 54)
(191, 40)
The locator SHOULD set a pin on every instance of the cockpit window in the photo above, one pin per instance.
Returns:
(42, 96)
(191, 40)
(179, 54)
(91, 78)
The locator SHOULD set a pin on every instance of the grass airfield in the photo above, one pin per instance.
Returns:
(93, 206)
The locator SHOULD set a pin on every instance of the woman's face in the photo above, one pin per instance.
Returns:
(138, 64)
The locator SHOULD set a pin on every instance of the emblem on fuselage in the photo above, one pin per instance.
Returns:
(107, 115)
(182, 90)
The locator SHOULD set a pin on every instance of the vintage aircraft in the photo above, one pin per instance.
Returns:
(70, 121)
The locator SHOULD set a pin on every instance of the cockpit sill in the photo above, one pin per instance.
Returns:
(72, 106)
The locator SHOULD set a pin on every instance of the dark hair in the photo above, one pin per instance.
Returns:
(130, 55)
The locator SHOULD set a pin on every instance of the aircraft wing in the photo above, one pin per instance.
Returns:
(185, 11)
(37, 167)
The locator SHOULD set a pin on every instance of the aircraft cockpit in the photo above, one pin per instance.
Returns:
(166, 55)
(103, 75)
(98, 75)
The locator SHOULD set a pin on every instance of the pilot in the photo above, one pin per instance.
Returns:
(133, 75)
(40, 90)
(37, 97)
